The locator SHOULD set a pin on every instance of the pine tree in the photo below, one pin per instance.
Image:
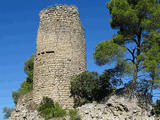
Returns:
(135, 21)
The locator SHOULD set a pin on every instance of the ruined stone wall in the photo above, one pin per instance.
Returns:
(115, 108)
(61, 53)
(25, 109)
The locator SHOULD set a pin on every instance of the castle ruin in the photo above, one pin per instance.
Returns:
(61, 53)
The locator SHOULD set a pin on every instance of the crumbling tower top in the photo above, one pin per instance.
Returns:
(57, 20)
(61, 9)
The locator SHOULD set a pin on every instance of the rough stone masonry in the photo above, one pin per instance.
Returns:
(61, 53)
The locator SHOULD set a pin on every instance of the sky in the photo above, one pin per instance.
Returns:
(19, 23)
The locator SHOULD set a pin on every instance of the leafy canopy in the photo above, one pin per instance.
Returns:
(89, 86)
(136, 44)
(107, 51)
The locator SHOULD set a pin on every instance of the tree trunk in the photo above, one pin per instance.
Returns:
(134, 82)
(152, 85)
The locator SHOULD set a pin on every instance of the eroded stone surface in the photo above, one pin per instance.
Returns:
(25, 109)
(61, 53)
(115, 108)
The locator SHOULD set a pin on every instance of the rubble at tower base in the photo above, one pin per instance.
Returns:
(115, 108)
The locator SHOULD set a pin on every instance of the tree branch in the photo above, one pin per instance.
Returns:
(132, 53)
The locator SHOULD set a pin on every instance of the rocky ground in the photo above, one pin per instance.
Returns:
(25, 109)
(113, 108)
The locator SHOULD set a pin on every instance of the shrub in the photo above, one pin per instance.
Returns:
(58, 111)
(156, 110)
(89, 86)
(73, 115)
(82, 87)
(46, 103)
(47, 113)
(48, 109)
(26, 87)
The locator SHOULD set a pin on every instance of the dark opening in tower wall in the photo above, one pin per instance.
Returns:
(49, 51)
(42, 52)
(45, 52)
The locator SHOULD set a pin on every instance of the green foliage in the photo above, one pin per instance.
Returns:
(49, 110)
(7, 112)
(58, 111)
(47, 113)
(151, 58)
(27, 85)
(136, 44)
(25, 88)
(15, 96)
(89, 86)
(73, 115)
(28, 68)
(131, 14)
(152, 55)
(83, 86)
(107, 51)
(156, 110)
(46, 103)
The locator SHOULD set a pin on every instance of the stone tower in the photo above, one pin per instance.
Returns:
(61, 53)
